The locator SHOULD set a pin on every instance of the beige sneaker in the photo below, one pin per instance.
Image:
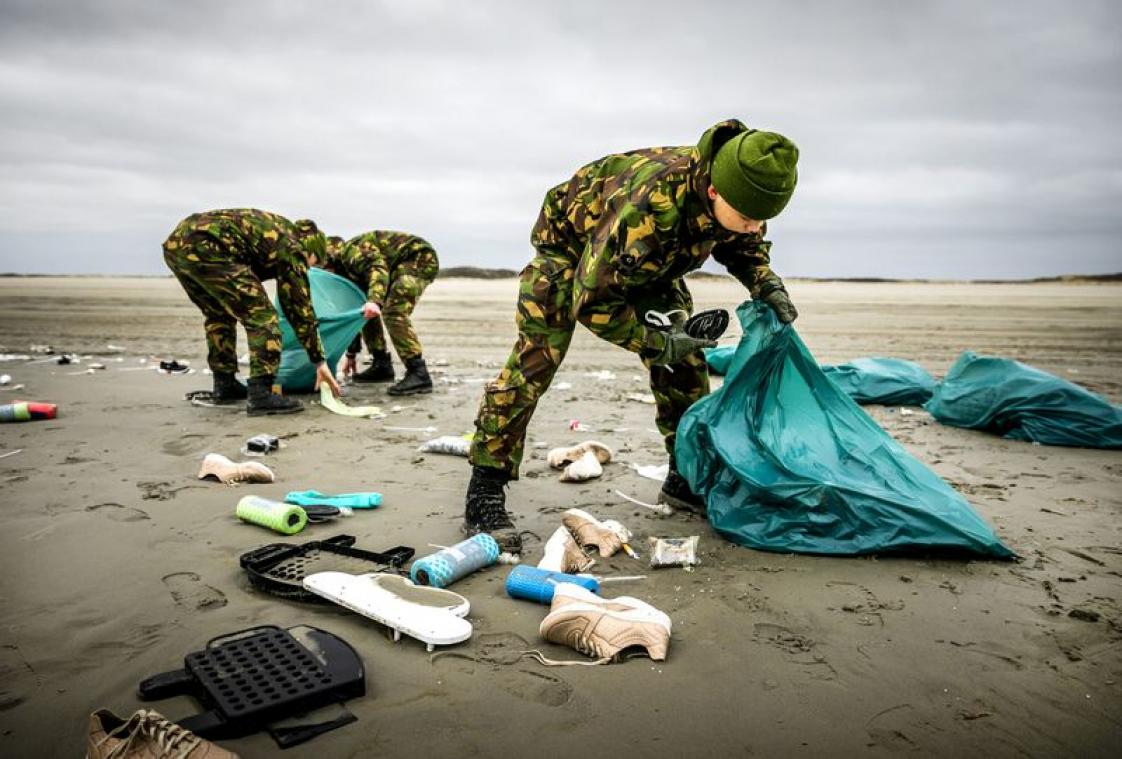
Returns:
(221, 468)
(146, 735)
(562, 554)
(604, 628)
(608, 536)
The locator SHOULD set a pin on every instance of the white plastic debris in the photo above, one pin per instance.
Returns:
(674, 552)
(650, 471)
(447, 444)
(5, 379)
(563, 386)
(641, 397)
(603, 375)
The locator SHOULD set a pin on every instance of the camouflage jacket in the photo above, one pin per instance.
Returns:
(636, 222)
(270, 246)
(369, 258)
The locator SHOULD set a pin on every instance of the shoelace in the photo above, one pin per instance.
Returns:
(167, 735)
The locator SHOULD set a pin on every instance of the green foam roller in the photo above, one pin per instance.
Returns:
(285, 518)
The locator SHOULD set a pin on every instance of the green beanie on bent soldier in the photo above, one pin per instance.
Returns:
(221, 259)
(613, 242)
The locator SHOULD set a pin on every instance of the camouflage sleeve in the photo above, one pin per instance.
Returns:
(751, 264)
(627, 258)
(295, 296)
(379, 272)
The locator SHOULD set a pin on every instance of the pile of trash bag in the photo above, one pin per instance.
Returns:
(889, 381)
(786, 461)
(1022, 402)
(338, 305)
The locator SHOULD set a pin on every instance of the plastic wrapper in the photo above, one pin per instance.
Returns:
(674, 552)
(447, 444)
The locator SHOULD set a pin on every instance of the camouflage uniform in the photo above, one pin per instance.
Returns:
(613, 242)
(221, 258)
(394, 268)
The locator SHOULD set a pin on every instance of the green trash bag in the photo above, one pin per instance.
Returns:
(788, 462)
(1022, 402)
(890, 381)
(338, 305)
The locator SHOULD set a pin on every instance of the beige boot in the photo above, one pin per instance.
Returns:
(604, 628)
(146, 735)
(581, 462)
(221, 468)
(607, 536)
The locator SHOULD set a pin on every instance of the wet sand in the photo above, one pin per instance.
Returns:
(116, 561)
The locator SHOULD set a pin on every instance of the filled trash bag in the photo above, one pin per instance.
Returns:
(719, 358)
(891, 381)
(338, 306)
(788, 462)
(1022, 402)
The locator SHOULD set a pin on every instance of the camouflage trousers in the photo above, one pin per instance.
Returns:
(545, 322)
(408, 281)
(227, 292)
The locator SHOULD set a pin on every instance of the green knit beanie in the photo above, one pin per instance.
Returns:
(755, 172)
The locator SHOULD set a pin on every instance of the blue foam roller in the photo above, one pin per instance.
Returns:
(444, 567)
(534, 584)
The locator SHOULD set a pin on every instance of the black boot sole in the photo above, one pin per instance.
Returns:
(679, 504)
(272, 411)
(412, 391)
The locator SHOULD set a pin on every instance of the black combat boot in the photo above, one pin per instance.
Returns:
(485, 508)
(227, 389)
(381, 370)
(416, 379)
(262, 399)
(677, 494)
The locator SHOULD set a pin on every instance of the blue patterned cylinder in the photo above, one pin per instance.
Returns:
(444, 567)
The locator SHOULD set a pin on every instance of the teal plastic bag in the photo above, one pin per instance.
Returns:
(719, 358)
(890, 381)
(1022, 402)
(338, 305)
(786, 461)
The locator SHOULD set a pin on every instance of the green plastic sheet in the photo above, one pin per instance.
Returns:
(338, 306)
(1022, 402)
(786, 461)
(888, 381)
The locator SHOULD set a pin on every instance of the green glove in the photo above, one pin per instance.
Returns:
(676, 345)
(781, 304)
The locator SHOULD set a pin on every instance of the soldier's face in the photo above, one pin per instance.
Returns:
(731, 219)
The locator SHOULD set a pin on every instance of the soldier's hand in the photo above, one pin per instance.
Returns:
(677, 345)
(323, 374)
(370, 310)
(781, 304)
(349, 367)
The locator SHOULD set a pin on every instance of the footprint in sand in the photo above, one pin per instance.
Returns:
(184, 445)
(189, 591)
(118, 512)
(537, 687)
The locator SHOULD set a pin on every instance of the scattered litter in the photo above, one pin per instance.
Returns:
(280, 568)
(641, 397)
(509, 558)
(27, 411)
(563, 386)
(603, 375)
(285, 518)
(321, 514)
(580, 462)
(443, 568)
(576, 426)
(399, 409)
(328, 400)
(14, 388)
(562, 554)
(261, 445)
(245, 680)
(651, 471)
(224, 470)
(538, 584)
(608, 536)
(439, 362)
(42, 349)
(431, 615)
(674, 552)
(450, 380)
(114, 348)
(173, 367)
(10, 453)
(658, 508)
(343, 500)
(5, 379)
(449, 444)
(14, 357)
(428, 430)
(97, 366)
(67, 358)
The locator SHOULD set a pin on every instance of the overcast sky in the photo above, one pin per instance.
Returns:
(938, 139)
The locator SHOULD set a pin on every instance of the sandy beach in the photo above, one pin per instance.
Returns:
(116, 561)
